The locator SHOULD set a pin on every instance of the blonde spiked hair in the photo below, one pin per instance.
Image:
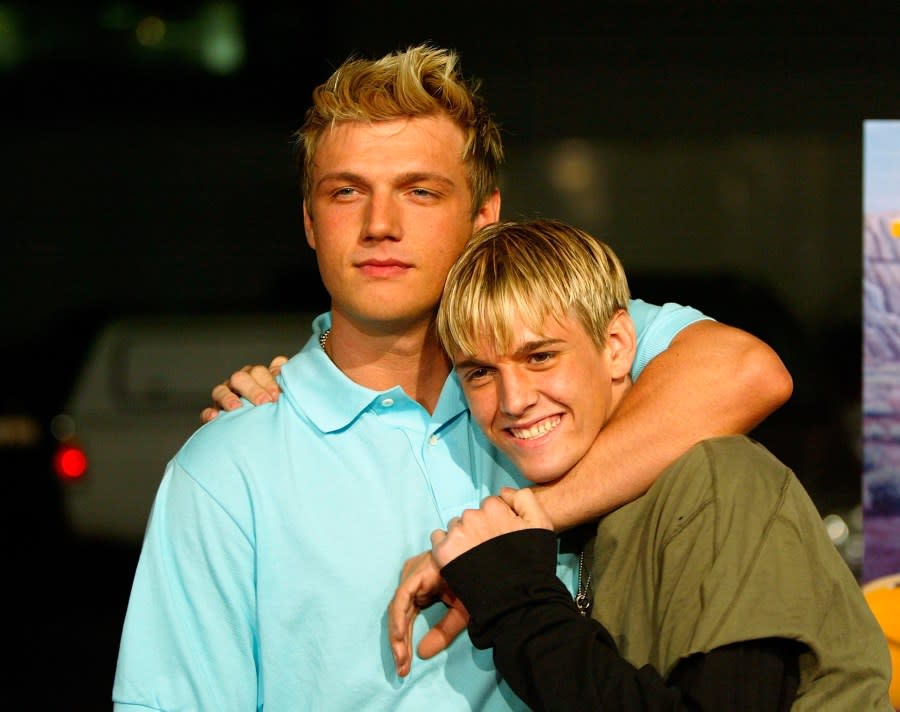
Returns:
(420, 81)
(529, 270)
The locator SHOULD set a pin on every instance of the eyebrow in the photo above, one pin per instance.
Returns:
(523, 350)
(340, 177)
(402, 179)
(422, 176)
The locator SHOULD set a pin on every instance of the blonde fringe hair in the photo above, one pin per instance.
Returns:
(420, 81)
(529, 270)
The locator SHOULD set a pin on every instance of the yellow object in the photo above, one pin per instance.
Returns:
(895, 228)
(883, 597)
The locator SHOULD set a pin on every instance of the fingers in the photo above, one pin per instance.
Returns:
(275, 366)
(401, 614)
(508, 495)
(224, 398)
(420, 586)
(525, 504)
(444, 631)
(255, 383)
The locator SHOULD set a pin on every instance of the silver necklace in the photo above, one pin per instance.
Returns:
(584, 596)
(323, 337)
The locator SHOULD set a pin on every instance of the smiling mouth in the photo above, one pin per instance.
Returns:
(542, 427)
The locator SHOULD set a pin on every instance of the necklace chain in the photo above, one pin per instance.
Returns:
(323, 337)
(583, 598)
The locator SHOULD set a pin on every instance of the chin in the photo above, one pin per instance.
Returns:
(543, 474)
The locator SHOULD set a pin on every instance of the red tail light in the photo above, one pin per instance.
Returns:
(70, 462)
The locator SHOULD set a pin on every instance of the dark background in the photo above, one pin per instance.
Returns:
(723, 150)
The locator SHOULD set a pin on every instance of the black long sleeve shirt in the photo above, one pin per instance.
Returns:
(556, 659)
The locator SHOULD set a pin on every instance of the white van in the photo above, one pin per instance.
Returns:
(138, 397)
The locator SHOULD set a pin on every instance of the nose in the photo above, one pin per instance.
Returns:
(516, 392)
(383, 219)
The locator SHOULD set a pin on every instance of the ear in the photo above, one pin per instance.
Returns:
(621, 344)
(489, 212)
(308, 226)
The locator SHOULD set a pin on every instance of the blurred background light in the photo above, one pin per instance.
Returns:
(150, 31)
(207, 36)
(62, 427)
(221, 39)
(837, 528)
(70, 462)
(12, 43)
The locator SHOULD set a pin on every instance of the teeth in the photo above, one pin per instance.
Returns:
(536, 430)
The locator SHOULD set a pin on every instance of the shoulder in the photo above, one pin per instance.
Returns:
(246, 439)
(230, 428)
(729, 467)
(656, 326)
(728, 484)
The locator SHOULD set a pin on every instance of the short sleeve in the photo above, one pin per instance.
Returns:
(188, 640)
(656, 326)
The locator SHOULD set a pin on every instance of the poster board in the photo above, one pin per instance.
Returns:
(881, 349)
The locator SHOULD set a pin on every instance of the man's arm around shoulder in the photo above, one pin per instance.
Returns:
(713, 380)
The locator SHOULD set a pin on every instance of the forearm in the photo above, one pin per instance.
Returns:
(555, 659)
(712, 380)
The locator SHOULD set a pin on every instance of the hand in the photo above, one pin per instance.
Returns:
(420, 586)
(511, 511)
(256, 383)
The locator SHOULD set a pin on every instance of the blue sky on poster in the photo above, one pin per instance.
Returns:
(881, 166)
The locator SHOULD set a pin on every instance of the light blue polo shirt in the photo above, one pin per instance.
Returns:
(276, 542)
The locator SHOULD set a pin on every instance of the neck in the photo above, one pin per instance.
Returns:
(380, 358)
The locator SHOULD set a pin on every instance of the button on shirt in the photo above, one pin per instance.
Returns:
(277, 538)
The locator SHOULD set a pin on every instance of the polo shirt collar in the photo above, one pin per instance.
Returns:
(333, 401)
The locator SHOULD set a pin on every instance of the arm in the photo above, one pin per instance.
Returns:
(171, 648)
(421, 583)
(554, 658)
(712, 380)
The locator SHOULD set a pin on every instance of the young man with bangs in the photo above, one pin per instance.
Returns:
(277, 532)
(719, 589)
